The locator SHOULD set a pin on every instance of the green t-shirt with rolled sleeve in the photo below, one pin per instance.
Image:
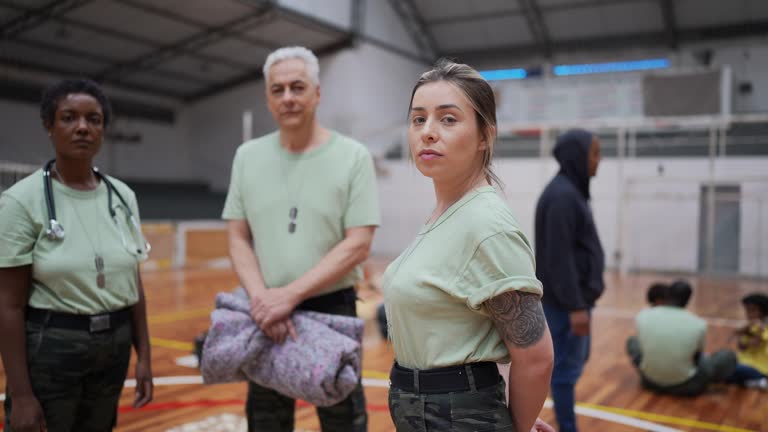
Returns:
(333, 187)
(64, 275)
(435, 290)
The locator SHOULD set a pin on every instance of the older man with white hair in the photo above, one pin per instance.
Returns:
(301, 211)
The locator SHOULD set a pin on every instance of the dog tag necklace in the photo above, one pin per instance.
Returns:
(98, 260)
(293, 212)
(101, 280)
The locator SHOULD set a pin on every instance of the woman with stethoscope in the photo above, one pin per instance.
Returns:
(71, 299)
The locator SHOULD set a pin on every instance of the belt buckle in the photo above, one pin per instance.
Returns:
(100, 323)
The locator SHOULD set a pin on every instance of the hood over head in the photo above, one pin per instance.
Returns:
(572, 153)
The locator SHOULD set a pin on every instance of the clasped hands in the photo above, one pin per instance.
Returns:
(271, 311)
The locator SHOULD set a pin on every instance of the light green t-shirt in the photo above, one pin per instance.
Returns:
(669, 338)
(63, 271)
(434, 291)
(333, 187)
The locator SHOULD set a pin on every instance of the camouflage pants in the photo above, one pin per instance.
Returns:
(484, 410)
(77, 376)
(270, 411)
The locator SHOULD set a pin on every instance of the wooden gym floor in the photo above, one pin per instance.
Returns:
(609, 395)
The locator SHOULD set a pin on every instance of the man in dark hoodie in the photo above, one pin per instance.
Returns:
(570, 263)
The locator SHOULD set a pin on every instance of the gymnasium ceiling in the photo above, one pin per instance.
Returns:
(190, 49)
(542, 28)
(183, 49)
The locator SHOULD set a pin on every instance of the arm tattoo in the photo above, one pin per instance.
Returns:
(518, 317)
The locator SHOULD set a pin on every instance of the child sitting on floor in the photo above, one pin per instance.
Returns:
(752, 370)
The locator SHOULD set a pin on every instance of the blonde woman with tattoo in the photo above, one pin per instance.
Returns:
(464, 295)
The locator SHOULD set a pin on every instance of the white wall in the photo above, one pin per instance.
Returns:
(754, 228)
(215, 130)
(336, 12)
(365, 93)
(382, 23)
(656, 225)
(161, 155)
(22, 137)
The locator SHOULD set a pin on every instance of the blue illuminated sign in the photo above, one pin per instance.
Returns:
(626, 66)
(503, 74)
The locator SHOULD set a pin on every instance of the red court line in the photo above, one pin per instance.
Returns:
(164, 406)
(217, 403)
(176, 405)
(369, 407)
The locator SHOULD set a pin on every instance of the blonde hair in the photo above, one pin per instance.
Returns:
(480, 96)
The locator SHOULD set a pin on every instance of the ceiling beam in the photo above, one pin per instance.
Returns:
(32, 18)
(670, 22)
(135, 38)
(575, 4)
(346, 38)
(537, 26)
(187, 45)
(416, 27)
(257, 74)
(150, 9)
(28, 92)
(357, 17)
(105, 61)
(68, 72)
(473, 17)
(619, 42)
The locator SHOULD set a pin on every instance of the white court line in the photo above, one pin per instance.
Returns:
(373, 382)
(621, 419)
(169, 381)
(189, 361)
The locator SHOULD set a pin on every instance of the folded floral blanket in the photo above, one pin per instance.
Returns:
(322, 367)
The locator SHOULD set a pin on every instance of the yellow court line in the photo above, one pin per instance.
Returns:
(169, 343)
(666, 419)
(375, 374)
(179, 316)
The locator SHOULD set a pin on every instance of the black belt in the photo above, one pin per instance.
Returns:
(326, 302)
(445, 380)
(89, 323)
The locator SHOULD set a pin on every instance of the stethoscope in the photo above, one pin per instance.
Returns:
(55, 230)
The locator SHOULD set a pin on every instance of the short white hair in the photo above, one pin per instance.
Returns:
(295, 52)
